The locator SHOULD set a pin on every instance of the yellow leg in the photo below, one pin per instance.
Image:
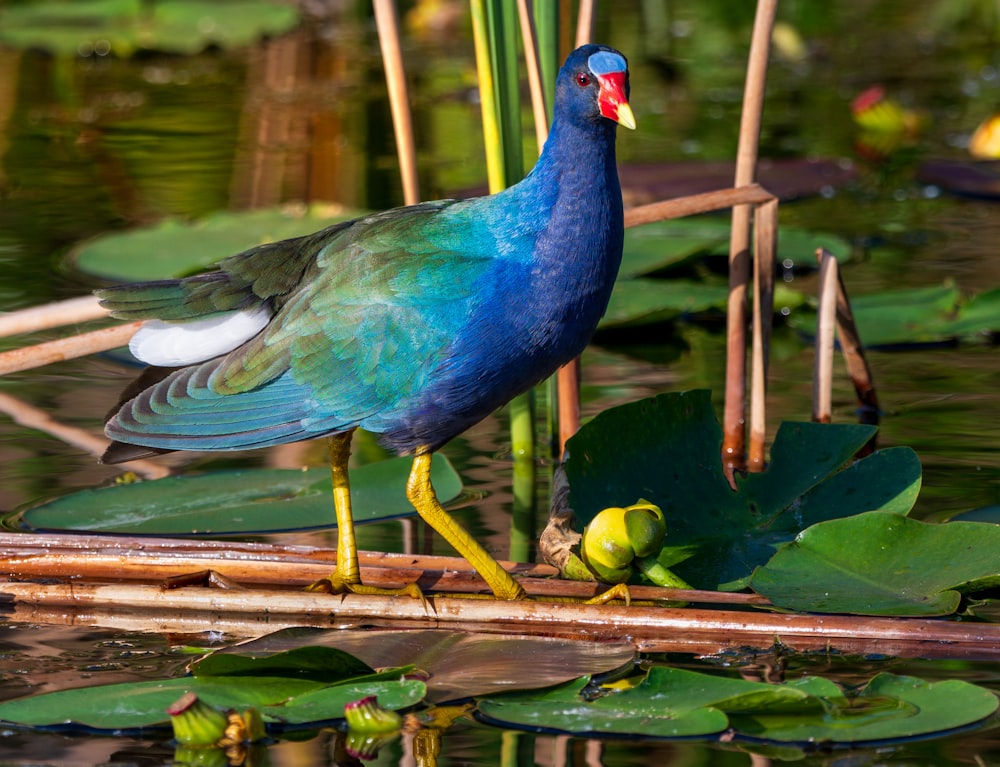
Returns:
(346, 576)
(421, 493)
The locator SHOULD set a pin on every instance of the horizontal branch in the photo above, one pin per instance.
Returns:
(254, 611)
(651, 629)
(693, 204)
(54, 315)
(68, 348)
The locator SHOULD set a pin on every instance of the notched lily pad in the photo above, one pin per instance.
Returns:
(882, 564)
(666, 449)
(236, 502)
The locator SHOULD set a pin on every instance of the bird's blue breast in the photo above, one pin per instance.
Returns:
(535, 304)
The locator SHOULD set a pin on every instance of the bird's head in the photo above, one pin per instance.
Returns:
(593, 84)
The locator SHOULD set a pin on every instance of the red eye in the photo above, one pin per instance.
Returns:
(582, 79)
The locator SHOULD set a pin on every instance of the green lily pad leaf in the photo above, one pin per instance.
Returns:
(888, 707)
(458, 664)
(174, 248)
(915, 316)
(882, 564)
(328, 702)
(668, 702)
(672, 702)
(564, 709)
(660, 245)
(134, 705)
(325, 665)
(641, 302)
(666, 449)
(236, 502)
(124, 26)
(303, 685)
(979, 315)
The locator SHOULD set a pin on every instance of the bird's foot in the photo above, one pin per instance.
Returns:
(617, 593)
(334, 584)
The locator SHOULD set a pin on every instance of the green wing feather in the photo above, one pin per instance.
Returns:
(364, 310)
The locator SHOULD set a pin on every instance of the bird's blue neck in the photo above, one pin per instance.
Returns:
(577, 164)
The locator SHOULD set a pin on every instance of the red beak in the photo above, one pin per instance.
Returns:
(612, 100)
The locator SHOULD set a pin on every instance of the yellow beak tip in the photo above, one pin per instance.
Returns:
(625, 116)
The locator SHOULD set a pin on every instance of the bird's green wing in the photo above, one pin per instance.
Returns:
(377, 310)
(262, 275)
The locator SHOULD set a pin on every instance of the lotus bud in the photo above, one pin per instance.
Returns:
(616, 536)
(196, 723)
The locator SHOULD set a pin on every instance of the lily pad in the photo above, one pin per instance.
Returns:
(882, 564)
(295, 687)
(917, 316)
(672, 702)
(236, 502)
(666, 449)
(458, 664)
(174, 248)
(644, 301)
(125, 26)
(564, 709)
(888, 707)
(658, 246)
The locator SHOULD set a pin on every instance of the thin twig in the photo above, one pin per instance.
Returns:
(54, 315)
(766, 235)
(734, 409)
(253, 612)
(399, 102)
(826, 323)
(585, 23)
(35, 418)
(854, 353)
(706, 202)
(535, 87)
(68, 348)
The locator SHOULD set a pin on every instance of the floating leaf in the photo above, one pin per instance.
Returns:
(653, 247)
(786, 177)
(173, 248)
(226, 503)
(318, 664)
(666, 449)
(672, 702)
(642, 301)
(882, 564)
(564, 709)
(459, 664)
(664, 244)
(888, 707)
(124, 26)
(966, 177)
(316, 684)
(919, 315)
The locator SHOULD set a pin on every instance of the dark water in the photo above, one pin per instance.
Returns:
(93, 144)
